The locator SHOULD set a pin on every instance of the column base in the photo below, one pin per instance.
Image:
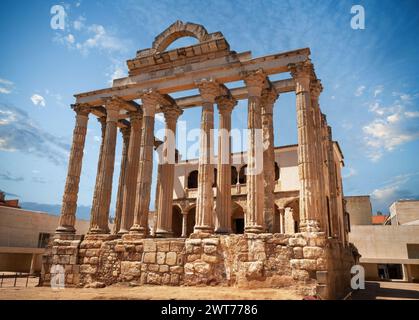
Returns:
(254, 229)
(138, 231)
(203, 229)
(101, 237)
(65, 230)
(310, 226)
(121, 232)
(98, 230)
(160, 233)
(223, 231)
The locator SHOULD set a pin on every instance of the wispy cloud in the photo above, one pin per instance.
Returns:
(349, 172)
(6, 86)
(38, 100)
(18, 132)
(10, 177)
(394, 189)
(393, 126)
(359, 91)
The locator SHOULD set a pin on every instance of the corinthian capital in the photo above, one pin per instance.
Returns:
(316, 88)
(152, 99)
(269, 96)
(171, 112)
(210, 89)
(81, 109)
(226, 104)
(301, 69)
(255, 81)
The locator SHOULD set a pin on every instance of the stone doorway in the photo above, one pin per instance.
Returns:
(176, 222)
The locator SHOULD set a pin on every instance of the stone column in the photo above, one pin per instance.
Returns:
(269, 97)
(167, 171)
(69, 206)
(309, 184)
(209, 90)
(184, 224)
(223, 205)
(99, 220)
(145, 170)
(333, 185)
(282, 220)
(315, 90)
(120, 196)
(253, 220)
(130, 180)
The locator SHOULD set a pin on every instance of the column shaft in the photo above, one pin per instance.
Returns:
(255, 187)
(145, 170)
(69, 205)
(184, 225)
(99, 220)
(205, 201)
(122, 176)
(167, 170)
(309, 184)
(130, 180)
(269, 97)
(223, 202)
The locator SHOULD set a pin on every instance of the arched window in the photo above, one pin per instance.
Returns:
(242, 174)
(276, 171)
(193, 180)
(234, 175)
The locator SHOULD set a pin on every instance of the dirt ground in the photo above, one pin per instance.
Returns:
(373, 291)
(146, 293)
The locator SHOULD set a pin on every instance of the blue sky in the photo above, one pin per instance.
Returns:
(370, 80)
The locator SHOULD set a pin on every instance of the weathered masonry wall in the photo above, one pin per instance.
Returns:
(306, 262)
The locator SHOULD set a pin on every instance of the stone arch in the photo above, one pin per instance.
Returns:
(237, 218)
(242, 174)
(193, 179)
(191, 220)
(176, 221)
(179, 30)
(277, 171)
(234, 175)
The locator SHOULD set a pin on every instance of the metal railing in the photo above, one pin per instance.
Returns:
(11, 279)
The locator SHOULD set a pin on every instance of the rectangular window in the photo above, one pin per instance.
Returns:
(43, 239)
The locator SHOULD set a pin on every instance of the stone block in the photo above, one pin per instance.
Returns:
(298, 252)
(209, 258)
(208, 249)
(87, 268)
(312, 252)
(149, 245)
(165, 279)
(94, 260)
(189, 268)
(153, 267)
(293, 242)
(149, 257)
(171, 258)
(176, 269)
(119, 248)
(161, 256)
(201, 267)
(193, 257)
(211, 241)
(254, 269)
(177, 246)
(163, 246)
(153, 278)
(63, 259)
(174, 279)
(300, 275)
(164, 268)
(304, 264)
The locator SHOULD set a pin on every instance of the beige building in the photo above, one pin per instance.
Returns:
(24, 235)
(388, 251)
(285, 218)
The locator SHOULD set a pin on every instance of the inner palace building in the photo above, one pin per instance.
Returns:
(268, 217)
